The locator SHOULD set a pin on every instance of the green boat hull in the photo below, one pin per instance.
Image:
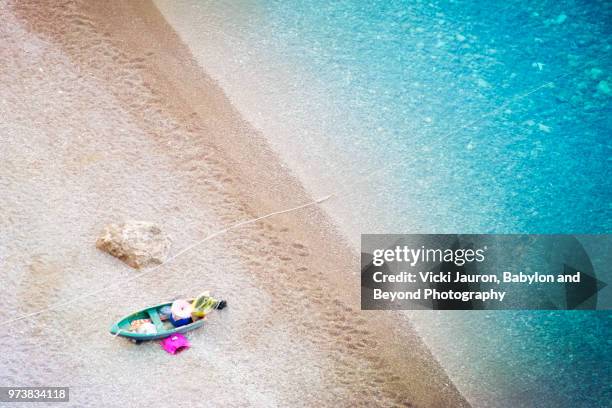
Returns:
(164, 329)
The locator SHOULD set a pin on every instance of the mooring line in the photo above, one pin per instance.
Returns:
(349, 187)
(172, 258)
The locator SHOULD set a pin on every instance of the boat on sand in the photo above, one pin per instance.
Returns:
(164, 327)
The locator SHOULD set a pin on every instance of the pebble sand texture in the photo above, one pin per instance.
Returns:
(88, 137)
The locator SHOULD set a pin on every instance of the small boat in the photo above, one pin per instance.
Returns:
(164, 328)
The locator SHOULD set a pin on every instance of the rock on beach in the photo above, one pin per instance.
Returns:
(137, 243)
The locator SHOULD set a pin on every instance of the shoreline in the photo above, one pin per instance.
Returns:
(299, 260)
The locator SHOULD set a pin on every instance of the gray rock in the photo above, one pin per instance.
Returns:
(137, 243)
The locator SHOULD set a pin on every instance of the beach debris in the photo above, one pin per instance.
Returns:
(137, 243)
(175, 343)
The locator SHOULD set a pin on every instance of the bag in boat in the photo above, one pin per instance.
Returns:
(204, 303)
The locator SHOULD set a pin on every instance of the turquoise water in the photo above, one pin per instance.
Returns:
(482, 116)
(423, 76)
(505, 110)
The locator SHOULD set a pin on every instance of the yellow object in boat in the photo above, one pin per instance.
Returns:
(203, 304)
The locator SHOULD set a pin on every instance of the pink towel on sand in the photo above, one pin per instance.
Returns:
(175, 343)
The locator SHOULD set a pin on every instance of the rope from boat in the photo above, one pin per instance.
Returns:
(349, 189)
(118, 333)
(118, 283)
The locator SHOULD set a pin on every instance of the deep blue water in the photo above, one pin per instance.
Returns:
(504, 110)
(488, 117)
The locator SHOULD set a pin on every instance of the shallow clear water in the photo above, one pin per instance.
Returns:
(426, 78)
(475, 116)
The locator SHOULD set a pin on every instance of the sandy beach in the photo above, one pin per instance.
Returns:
(105, 117)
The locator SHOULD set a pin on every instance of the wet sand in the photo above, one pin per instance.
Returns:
(106, 116)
